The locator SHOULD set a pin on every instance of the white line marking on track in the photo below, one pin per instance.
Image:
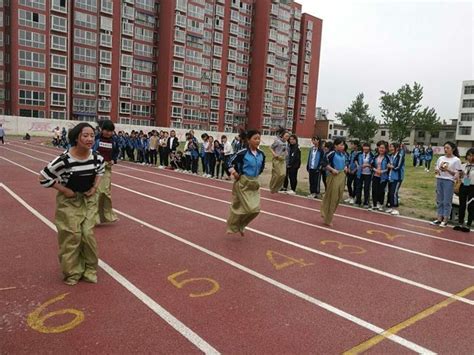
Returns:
(175, 323)
(303, 247)
(470, 267)
(186, 332)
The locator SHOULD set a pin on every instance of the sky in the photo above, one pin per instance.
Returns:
(373, 45)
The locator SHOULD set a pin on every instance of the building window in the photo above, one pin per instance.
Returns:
(85, 71)
(84, 88)
(59, 43)
(32, 59)
(106, 40)
(58, 115)
(90, 5)
(465, 131)
(105, 73)
(125, 107)
(31, 113)
(85, 20)
(104, 89)
(37, 4)
(107, 6)
(467, 116)
(176, 112)
(58, 5)
(85, 106)
(58, 62)
(59, 23)
(31, 78)
(31, 19)
(468, 103)
(421, 134)
(106, 57)
(106, 23)
(31, 39)
(58, 81)
(468, 90)
(32, 98)
(85, 54)
(85, 37)
(58, 99)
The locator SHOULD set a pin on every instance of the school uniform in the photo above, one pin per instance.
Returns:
(153, 148)
(108, 149)
(76, 216)
(313, 166)
(227, 150)
(245, 204)
(352, 174)
(293, 165)
(395, 177)
(428, 158)
(379, 180)
(416, 156)
(466, 195)
(364, 177)
(335, 184)
(280, 147)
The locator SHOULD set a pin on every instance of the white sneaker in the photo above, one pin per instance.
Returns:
(291, 192)
(352, 201)
(311, 196)
(395, 213)
(389, 210)
(161, 167)
(380, 208)
(443, 224)
(347, 200)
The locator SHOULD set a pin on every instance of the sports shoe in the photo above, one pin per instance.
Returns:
(347, 200)
(443, 224)
(70, 282)
(435, 222)
(458, 227)
(390, 210)
(352, 201)
(395, 213)
(311, 196)
(367, 207)
(291, 192)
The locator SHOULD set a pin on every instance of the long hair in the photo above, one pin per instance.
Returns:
(454, 148)
(74, 133)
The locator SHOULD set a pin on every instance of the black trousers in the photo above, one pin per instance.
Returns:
(292, 177)
(363, 182)
(466, 199)
(153, 156)
(351, 184)
(378, 190)
(393, 188)
(194, 165)
(428, 164)
(314, 181)
(225, 164)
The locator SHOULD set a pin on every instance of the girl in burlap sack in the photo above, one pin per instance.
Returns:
(279, 150)
(245, 166)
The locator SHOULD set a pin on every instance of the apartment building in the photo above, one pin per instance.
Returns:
(465, 127)
(192, 64)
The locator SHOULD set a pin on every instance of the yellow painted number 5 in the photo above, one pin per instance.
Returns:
(180, 284)
(36, 320)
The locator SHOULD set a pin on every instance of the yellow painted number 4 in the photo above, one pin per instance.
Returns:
(180, 284)
(284, 261)
(36, 320)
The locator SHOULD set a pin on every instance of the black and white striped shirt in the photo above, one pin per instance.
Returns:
(78, 175)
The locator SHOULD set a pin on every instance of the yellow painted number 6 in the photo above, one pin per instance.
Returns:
(180, 284)
(36, 320)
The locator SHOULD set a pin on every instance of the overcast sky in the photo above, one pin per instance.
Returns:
(373, 45)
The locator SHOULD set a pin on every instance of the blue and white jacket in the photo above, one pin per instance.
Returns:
(240, 163)
(397, 173)
(359, 160)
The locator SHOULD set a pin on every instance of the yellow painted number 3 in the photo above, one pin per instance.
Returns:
(36, 320)
(180, 284)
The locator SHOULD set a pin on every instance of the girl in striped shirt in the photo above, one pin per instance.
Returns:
(76, 174)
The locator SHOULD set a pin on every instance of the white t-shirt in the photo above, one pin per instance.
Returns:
(452, 164)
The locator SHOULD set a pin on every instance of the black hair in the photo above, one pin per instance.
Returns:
(204, 136)
(338, 141)
(76, 131)
(295, 138)
(379, 143)
(107, 125)
(470, 152)
(396, 145)
(223, 136)
(365, 145)
(455, 149)
(245, 136)
(329, 145)
(281, 131)
(317, 138)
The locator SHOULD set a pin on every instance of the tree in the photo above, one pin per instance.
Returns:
(360, 124)
(402, 112)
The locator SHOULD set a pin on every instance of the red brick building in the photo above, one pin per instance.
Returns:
(202, 64)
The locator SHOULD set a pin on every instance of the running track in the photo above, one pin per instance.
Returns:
(172, 281)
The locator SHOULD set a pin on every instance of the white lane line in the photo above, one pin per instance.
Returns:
(406, 250)
(202, 344)
(448, 261)
(127, 166)
(179, 326)
(303, 247)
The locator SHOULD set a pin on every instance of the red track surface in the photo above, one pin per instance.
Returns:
(171, 222)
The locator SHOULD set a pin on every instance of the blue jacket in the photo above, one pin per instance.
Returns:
(383, 167)
(397, 173)
(359, 160)
(237, 160)
(429, 154)
(329, 159)
(321, 157)
(352, 161)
